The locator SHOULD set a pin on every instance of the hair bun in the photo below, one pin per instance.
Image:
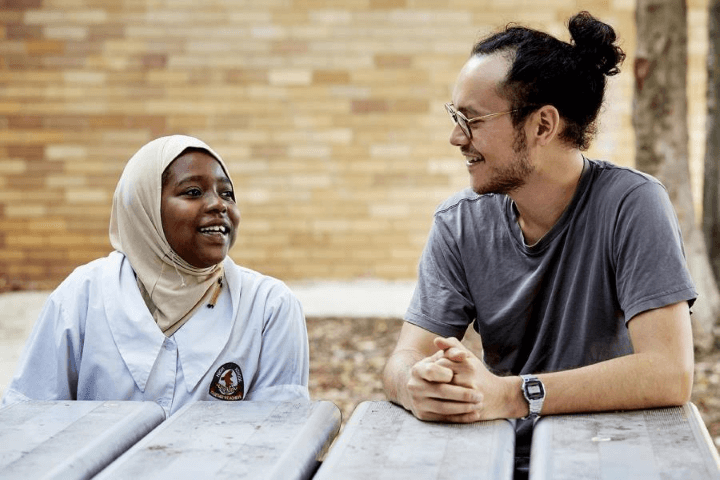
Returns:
(594, 44)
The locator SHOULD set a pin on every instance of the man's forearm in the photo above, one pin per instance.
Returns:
(641, 380)
(659, 373)
(630, 382)
(397, 373)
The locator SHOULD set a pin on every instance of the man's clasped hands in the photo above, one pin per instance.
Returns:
(454, 385)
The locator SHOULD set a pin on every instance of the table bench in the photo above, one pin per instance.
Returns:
(224, 440)
(384, 441)
(70, 439)
(664, 443)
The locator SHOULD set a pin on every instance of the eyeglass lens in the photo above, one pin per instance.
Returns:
(458, 120)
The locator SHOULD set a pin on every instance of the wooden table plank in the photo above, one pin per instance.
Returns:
(70, 439)
(664, 443)
(383, 441)
(224, 440)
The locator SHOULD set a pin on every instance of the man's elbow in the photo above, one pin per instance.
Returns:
(686, 383)
(390, 379)
(676, 388)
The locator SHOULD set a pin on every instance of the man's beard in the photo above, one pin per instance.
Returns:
(512, 177)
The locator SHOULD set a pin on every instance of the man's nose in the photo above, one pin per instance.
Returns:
(458, 137)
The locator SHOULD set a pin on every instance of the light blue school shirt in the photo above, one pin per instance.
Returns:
(96, 340)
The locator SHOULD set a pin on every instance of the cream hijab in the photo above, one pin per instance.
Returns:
(172, 288)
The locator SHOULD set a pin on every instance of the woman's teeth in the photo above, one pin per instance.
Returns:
(218, 229)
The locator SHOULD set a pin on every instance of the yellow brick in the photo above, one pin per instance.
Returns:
(47, 255)
(48, 224)
(75, 240)
(25, 211)
(12, 254)
(12, 167)
(86, 195)
(24, 241)
(25, 271)
(29, 137)
(65, 32)
(7, 108)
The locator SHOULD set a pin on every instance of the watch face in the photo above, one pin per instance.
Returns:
(534, 389)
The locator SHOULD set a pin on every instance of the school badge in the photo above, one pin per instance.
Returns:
(227, 383)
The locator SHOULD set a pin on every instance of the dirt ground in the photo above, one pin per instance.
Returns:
(347, 356)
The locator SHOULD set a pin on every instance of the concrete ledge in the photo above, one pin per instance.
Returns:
(361, 298)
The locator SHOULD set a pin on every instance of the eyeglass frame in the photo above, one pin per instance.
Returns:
(455, 113)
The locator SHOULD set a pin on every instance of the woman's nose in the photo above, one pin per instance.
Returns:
(216, 202)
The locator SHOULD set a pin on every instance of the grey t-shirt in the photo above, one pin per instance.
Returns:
(564, 302)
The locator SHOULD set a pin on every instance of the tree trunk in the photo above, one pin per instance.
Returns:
(711, 189)
(660, 120)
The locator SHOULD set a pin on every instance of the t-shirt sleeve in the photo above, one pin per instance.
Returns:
(651, 269)
(441, 302)
(284, 363)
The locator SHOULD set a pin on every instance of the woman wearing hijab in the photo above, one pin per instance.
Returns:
(168, 316)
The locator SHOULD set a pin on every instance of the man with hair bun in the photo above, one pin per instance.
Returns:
(572, 270)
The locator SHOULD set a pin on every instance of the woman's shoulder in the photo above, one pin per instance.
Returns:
(90, 273)
(69, 302)
(246, 278)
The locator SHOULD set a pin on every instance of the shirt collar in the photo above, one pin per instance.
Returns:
(139, 340)
(202, 339)
(136, 335)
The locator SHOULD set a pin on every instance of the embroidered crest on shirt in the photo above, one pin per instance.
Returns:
(227, 383)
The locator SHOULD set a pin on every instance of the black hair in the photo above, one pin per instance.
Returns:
(548, 71)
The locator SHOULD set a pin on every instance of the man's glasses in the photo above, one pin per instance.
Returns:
(459, 119)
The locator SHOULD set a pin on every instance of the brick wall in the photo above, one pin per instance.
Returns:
(330, 115)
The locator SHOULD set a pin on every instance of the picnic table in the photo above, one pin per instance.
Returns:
(70, 439)
(384, 441)
(268, 440)
(224, 440)
(663, 443)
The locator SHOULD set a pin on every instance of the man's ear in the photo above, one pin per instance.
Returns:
(546, 124)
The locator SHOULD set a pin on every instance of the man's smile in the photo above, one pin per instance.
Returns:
(472, 157)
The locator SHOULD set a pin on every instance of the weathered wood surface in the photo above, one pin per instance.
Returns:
(383, 441)
(665, 443)
(70, 439)
(233, 440)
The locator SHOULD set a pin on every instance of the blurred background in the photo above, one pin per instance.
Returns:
(330, 116)
(329, 113)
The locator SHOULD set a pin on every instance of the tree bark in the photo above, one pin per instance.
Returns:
(660, 120)
(711, 189)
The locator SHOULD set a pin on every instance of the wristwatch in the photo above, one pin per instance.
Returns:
(534, 392)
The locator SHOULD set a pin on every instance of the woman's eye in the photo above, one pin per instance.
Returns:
(193, 192)
(229, 195)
